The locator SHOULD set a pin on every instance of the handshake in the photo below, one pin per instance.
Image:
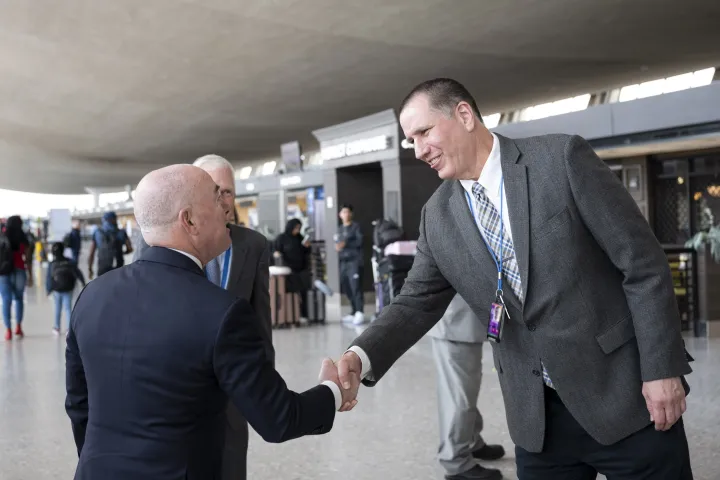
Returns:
(346, 375)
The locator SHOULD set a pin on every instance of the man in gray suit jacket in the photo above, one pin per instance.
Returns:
(244, 270)
(591, 359)
(457, 341)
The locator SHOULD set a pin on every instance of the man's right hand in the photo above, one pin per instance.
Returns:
(349, 369)
(329, 371)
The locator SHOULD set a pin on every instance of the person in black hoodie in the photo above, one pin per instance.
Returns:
(290, 247)
(62, 276)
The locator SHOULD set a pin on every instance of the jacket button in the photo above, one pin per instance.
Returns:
(536, 373)
(531, 327)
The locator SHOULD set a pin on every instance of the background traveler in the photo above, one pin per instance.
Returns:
(15, 273)
(349, 244)
(294, 254)
(61, 278)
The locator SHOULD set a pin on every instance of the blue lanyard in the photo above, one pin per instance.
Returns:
(226, 264)
(498, 264)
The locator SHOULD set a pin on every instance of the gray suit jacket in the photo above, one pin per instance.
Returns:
(459, 324)
(599, 308)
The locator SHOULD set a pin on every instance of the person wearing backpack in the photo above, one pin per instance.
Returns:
(62, 276)
(15, 272)
(108, 242)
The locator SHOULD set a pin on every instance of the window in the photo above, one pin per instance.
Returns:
(268, 168)
(676, 83)
(567, 105)
(491, 121)
(244, 173)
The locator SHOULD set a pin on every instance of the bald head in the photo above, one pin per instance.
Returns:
(179, 207)
(162, 194)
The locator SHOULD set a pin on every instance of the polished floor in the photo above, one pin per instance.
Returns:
(390, 435)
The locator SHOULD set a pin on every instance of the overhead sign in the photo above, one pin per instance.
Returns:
(356, 147)
(291, 156)
(290, 181)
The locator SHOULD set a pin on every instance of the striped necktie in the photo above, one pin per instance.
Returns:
(212, 271)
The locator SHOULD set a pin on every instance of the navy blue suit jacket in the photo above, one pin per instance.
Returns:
(154, 351)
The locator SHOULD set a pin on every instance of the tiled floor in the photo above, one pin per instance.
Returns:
(390, 435)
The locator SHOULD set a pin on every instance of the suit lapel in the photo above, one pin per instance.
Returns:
(239, 254)
(516, 192)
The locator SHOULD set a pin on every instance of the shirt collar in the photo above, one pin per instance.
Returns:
(491, 175)
(191, 257)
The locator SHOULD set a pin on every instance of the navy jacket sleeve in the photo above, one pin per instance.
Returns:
(246, 374)
(76, 401)
(260, 299)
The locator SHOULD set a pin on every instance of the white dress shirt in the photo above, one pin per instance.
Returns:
(330, 384)
(491, 179)
(190, 256)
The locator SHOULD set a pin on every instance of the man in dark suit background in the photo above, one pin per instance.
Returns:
(246, 274)
(591, 359)
(155, 350)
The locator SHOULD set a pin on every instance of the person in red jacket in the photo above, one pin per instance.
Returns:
(16, 276)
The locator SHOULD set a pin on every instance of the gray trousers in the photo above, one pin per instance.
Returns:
(459, 374)
(234, 460)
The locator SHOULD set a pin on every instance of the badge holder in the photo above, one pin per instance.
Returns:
(498, 312)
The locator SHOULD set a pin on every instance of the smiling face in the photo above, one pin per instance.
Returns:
(442, 140)
(225, 179)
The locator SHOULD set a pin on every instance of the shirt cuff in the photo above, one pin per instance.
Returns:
(364, 360)
(336, 393)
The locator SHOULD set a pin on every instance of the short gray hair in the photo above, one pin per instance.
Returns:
(213, 162)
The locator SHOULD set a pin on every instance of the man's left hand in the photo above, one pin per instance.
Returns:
(665, 401)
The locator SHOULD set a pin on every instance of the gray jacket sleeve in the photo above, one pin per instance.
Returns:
(260, 300)
(139, 244)
(423, 300)
(615, 221)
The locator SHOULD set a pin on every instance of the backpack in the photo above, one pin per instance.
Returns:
(6, 256)
(63, 276)
(106, 250)
(386, 232)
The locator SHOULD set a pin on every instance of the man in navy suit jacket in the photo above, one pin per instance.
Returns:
(155, 350)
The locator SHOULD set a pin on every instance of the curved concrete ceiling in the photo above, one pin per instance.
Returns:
(95, 94)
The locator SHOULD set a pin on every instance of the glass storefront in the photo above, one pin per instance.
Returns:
(246, 208)
(686, 195)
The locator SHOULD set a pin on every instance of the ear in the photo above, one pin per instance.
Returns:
(187, 222)
(465, 115)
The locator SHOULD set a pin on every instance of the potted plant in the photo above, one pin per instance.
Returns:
(709, 238)
(707, 243)
(709, 234)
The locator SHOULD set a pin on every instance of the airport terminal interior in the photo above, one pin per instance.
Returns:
(303, 100)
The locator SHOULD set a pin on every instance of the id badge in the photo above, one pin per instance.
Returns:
(496, 323)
